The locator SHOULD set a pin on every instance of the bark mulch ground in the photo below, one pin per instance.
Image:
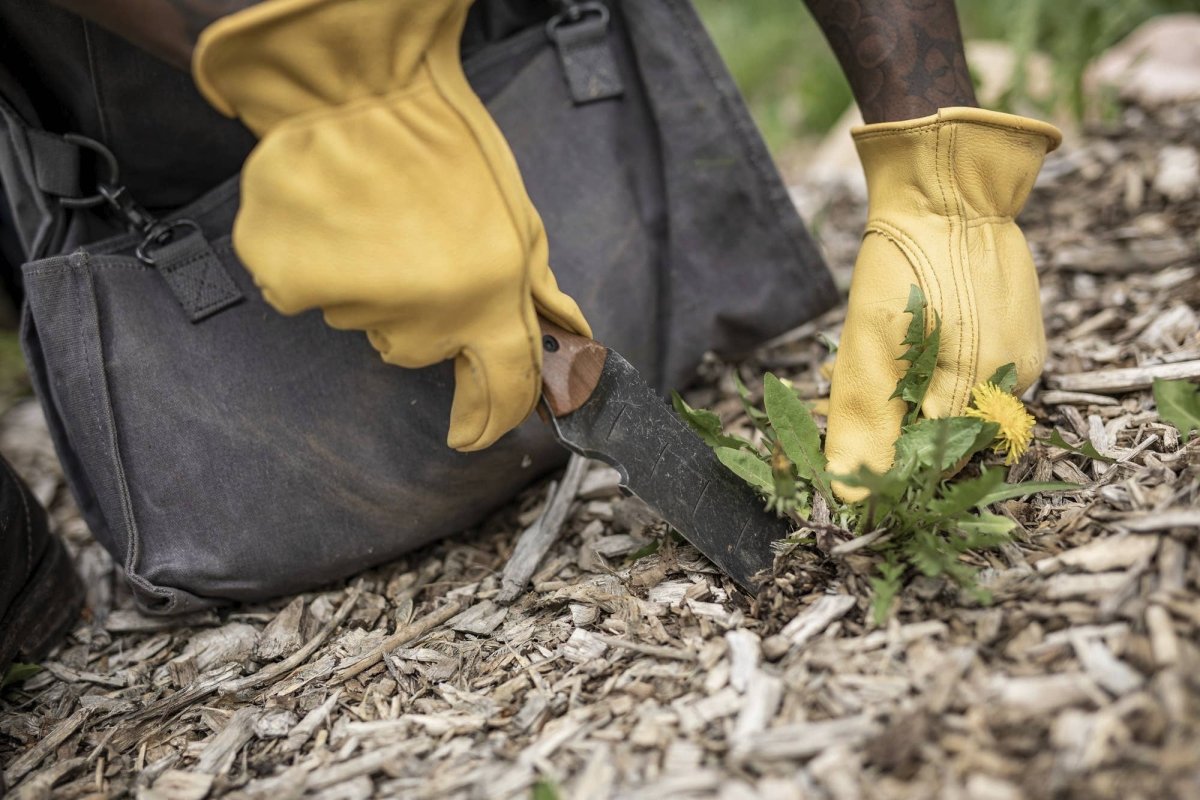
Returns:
(629, 668)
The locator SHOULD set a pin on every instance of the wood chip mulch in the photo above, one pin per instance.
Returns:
(620, 672)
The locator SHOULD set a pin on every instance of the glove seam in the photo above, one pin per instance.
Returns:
(949, 123)
(955, 265)
(946, 152)
(975, 222)
(480, 375)
(937, 171)
(994, 219)
(969, 337)
(922, 271)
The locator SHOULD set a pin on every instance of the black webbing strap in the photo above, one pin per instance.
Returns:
(29, 164)
(196, 276)
(57, 164)
(580, 33)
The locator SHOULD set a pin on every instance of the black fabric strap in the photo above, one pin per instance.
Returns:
(56, 164)
(587, 58)
(196, 276)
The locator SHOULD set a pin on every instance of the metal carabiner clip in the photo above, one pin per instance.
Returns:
(574, 13)
(160, 234)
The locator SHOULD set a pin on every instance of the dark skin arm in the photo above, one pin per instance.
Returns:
(903, 58)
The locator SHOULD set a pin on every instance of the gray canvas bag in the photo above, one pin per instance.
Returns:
(223, 452)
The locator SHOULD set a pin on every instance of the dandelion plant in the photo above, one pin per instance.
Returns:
(924, 520)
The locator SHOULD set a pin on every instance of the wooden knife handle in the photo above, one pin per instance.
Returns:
(571, 366)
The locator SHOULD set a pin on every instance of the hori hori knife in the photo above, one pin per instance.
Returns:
(599, 407)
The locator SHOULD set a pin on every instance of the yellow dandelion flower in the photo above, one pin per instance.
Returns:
(993, 404)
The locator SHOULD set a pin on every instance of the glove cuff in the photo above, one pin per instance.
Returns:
(969, 114)
(284, 58)
(961, 162)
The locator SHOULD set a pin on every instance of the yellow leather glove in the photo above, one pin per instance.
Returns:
(382, 192)
(942, 194)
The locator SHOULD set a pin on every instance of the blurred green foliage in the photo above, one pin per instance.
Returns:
(1072, 34)
(792, 82)
(780, 60)
(14, 381)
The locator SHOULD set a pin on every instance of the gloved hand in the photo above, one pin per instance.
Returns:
(942, 194)
(382, 192)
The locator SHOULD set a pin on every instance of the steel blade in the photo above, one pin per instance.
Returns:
(625, 424)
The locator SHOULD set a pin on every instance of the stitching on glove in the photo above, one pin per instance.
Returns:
(955, 276)
(937, 171)
(909, 247)
(963, 286)
(965, 378)
(480, 377)
(940, 123)
(533, 339)
(901, 132)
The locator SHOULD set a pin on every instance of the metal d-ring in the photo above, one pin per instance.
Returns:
(110, 161)
(161, 233)
(576, 12)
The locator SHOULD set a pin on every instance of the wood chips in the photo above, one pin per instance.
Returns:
(615, 673)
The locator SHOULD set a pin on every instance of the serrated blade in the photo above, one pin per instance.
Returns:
(625, 424)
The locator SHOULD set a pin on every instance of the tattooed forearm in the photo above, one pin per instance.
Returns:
(166, 28)
(903, 58)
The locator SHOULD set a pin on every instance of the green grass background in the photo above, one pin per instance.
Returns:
(795, 88)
